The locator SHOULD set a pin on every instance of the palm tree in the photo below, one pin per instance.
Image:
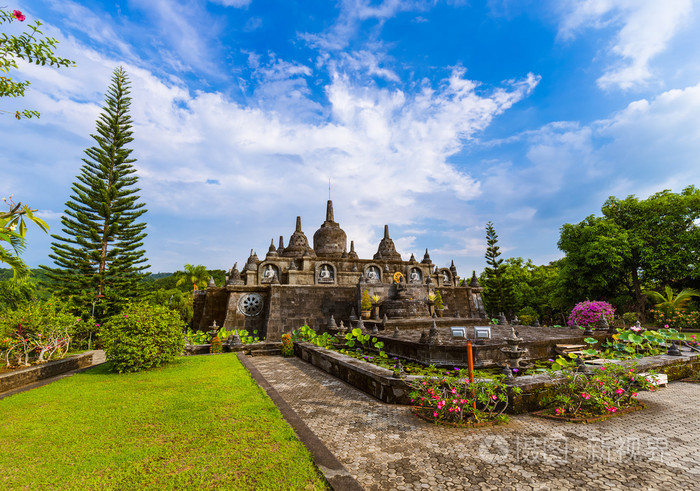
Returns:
(197, 275)
(671, 302)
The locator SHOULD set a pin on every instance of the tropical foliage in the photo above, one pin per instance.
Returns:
(142, 336)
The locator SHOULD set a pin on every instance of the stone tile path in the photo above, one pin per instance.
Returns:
(385, 447)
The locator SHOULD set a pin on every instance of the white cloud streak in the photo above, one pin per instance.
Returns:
(644, 30)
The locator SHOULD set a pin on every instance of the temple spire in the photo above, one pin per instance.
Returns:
(329, 210)
(298, 229)
(386, 231)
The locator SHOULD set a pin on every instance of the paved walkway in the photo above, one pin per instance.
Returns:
(385, 447)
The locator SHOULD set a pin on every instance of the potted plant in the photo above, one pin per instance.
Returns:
(366, 305)
(439, 305)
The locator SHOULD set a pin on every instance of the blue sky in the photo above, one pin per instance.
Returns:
(434, 117)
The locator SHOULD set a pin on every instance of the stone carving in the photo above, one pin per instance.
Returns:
(326, 274)
(250, 304)
(270, 274)
(211, 283)
(426, 258)
(415, 276)
(372, 274)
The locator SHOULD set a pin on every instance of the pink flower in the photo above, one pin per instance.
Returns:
(455, 401)
(619, 391)
(18, 15)
(586, 396)
(634, 394)
(454, 391)
(602, 368)
(494, 397)
(434, 415)
(457, 409)
(666, 326)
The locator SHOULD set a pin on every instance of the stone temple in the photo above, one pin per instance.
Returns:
(323, 285)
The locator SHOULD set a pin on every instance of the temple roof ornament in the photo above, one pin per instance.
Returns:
(272, 251)
(280, 248)
(352, 254)
(298, 243)
(252, 262)
(474, 283)
(330, 239)
(426, 258)
(386, 249)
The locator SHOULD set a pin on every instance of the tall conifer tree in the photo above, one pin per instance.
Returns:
(494, 287)
(101, 250)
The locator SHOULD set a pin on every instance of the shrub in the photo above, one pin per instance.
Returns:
(452, 399)
(606, 389)
(439, 304)
(216, 346)
(366, 303)
(287, 345)
(142, 336)
(588, 313)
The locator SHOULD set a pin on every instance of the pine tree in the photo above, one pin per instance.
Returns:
(494, 288)
(101, 250)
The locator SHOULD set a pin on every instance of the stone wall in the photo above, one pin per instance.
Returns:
(29, 375)
(290, 307)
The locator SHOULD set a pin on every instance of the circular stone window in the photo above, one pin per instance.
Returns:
(250, 304)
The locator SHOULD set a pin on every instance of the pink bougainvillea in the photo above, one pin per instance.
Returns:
(588, 313)
(18, 15)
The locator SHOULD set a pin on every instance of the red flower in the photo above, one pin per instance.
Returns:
(18, 15)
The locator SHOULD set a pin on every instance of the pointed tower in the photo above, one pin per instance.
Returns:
(330, 240)
(298, 243)
(387, 250)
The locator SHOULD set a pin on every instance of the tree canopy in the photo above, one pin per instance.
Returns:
(637, 243)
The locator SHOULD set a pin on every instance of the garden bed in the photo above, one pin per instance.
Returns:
(549, 414)
(424, 414)
(25, 376)
(380, 383)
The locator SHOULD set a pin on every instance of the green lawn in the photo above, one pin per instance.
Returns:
(198, 423)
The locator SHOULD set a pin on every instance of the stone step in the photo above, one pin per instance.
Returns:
(266, 352)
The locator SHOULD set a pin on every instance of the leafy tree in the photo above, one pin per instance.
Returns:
(197, 276)
(635, 244)
(101, 250)
(532, 290)
(29, 46)
(495, 288)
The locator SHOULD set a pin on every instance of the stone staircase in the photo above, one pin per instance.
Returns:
(266, 349)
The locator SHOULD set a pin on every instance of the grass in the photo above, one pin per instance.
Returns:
(198, 423)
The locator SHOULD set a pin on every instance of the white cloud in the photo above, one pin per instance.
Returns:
(232, 3)
(644, 30)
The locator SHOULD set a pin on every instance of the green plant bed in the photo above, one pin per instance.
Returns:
(587, 416)
(426, 414)
(195, 423)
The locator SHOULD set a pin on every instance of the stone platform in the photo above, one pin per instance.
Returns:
(384, 447)
(452, 352)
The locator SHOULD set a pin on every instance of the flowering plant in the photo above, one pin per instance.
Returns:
(606, 389)
(287, 345)
(455, 400)
(588, 313)
(677, 319)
